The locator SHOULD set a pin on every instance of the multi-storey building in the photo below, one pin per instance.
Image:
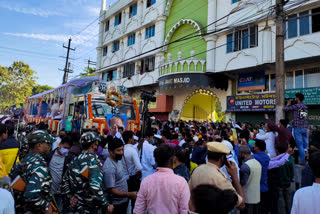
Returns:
(213, 54)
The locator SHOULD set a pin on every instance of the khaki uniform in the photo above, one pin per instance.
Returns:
(211, 174)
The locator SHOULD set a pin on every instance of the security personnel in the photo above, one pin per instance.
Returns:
(82, 184)
(210, 173)
(23, 141)
(35, 182)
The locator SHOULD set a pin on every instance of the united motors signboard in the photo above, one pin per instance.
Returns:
(252, 102)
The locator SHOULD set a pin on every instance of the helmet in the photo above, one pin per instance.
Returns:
(88, 138)
(39, 136)
(30, 128)
(21, 126)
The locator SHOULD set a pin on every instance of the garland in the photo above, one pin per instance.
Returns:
(110, 102)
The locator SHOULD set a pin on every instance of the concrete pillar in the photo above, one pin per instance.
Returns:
(266, 42)
(103, 5)
(211, 52)
(140, 10)
(211, 39)
(212, 14)
(160, 28)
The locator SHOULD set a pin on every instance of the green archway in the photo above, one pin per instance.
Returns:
(202, 105)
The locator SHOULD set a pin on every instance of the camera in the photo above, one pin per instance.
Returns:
(148, 96)
(293, 101)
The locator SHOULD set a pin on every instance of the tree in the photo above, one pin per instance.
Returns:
(40, 88)
(85, 72)
(16, 83)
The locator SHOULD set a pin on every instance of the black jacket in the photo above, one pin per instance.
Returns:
(67, 160)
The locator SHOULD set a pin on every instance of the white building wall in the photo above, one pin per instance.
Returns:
(255, 11)
(137, 24)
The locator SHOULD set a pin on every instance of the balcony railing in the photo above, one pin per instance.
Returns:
(183, 66)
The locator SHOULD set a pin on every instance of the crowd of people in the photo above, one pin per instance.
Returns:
(175, 167)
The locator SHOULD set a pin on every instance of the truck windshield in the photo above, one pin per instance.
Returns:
(100, 110)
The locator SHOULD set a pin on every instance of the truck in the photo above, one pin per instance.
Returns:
(83, 103)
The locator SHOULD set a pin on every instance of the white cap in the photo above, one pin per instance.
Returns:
(195, 139)
(158, 136)
(152, 118)
(135, 137)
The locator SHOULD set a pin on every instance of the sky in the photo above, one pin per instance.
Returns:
(34, 31)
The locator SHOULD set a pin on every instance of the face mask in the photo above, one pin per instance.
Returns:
(152, 141)
(118, 157)
(61, 136)
(179, 138)
(77, 110)
(64, 151)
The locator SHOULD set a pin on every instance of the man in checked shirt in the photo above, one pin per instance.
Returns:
(300, 124)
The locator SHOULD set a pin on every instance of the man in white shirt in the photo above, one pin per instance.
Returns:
(145, 153)
(269, 137)
(131, 162)
(306, 200)
(131, 166)
(7, 202)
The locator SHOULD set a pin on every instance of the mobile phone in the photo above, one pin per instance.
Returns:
(226, 162)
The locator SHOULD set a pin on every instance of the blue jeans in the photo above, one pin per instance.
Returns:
(301, 137)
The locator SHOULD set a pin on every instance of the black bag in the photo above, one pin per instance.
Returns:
(134, 182)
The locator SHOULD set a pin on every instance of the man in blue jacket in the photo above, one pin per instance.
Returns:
(261, 156)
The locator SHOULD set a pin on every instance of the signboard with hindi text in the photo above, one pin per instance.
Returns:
(251, 102)
(311, 95)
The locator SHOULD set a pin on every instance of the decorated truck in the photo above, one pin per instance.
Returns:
(83, 103)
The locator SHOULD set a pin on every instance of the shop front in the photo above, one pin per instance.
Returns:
(251, 108)
(196, 96)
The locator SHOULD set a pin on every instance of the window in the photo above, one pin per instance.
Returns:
(242, 39)
(303, 78)
(229, 43)
(117, 20)
(289, 80)
(110, 75)
(311, 77)
(106, 26)
(245, 39)
(131, 39)
(298, 80)
(270, 82)
(128, 70)
(105, 51)
(315, 20)
(150, 2)
(292, 26)
(302, 23)
(147, 64)
(150, 31)
(115, 46)
(133, 10)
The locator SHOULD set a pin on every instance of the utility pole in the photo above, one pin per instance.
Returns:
(90, 63)
(280, 68)
(68, 72)
(64, 80)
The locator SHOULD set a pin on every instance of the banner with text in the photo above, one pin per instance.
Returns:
(252, 102)
(251, 81)
(311, 95)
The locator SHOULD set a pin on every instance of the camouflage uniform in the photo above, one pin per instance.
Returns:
(34, 172)
(88, 191)
(24, 146)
